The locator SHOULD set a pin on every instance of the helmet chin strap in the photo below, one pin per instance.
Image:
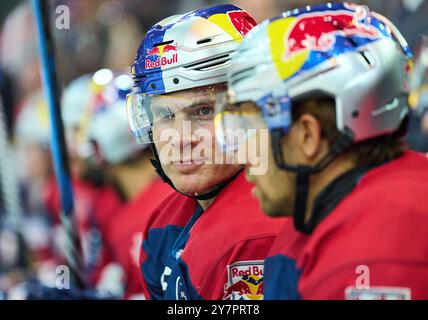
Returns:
(304, 172)
(205, 196)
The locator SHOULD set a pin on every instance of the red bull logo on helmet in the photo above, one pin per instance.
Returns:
(241, 21)
(318, 32)
(245, 281)
(165, 55)
(294, 38)
(235, 23)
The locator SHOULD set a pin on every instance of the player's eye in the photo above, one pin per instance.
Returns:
(205, 111)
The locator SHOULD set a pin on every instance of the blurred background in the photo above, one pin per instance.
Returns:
(104, 35)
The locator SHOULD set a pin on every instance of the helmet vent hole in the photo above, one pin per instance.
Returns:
(366, 56)
(355, 113)
(162, 43)
(175, 80)
(208, 64)
(202, 41)
(242, 74)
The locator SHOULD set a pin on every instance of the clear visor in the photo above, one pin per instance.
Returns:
(236, 124)
(154, 117)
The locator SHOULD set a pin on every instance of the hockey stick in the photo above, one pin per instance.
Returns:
(58, 145)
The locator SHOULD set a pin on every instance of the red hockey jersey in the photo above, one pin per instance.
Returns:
(217, 254)
(125, 232)
(94, 207)
(372, 245)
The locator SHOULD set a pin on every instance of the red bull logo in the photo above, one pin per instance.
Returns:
(161, 60)
(241, 21)
(245, 281)
(294, 38)
(318, 32)
(235, 23)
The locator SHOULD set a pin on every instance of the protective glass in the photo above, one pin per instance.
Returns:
(236, 123)
(151, 115)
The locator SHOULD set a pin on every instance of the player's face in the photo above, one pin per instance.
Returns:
(275, 190)
(190, 157)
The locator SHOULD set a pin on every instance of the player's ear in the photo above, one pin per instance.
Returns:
(309, 135)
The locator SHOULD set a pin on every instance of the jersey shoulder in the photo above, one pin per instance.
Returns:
(176, 210)
(234, 216)
(238, 237)
(381, 220)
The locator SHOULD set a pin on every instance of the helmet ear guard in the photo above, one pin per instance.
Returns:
(276, 110)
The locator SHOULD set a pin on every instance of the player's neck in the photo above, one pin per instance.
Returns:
(206, 203)
(319, 182)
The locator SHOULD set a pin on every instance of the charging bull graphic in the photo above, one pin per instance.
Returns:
(310, 32)
(308, 35)
(245, 281)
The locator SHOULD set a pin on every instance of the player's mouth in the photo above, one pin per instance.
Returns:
(186, 166)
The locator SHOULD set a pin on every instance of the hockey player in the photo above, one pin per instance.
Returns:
(103, 143)
(96, 202)
(127, 168)
(31, 136)
(330, 83)
(209, 239)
